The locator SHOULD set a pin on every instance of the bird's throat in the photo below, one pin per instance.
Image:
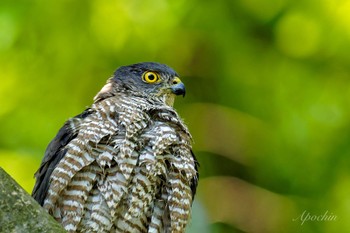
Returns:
(169, 99)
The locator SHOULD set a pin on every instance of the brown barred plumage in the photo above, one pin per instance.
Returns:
(125, 164)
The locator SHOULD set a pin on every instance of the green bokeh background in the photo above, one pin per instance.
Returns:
(267, 104)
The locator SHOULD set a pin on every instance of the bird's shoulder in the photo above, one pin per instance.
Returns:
(55, 152)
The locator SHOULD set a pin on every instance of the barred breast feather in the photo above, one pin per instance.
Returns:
(123, 165)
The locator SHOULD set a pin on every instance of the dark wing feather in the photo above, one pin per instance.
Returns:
(194, 181)
(54, 153)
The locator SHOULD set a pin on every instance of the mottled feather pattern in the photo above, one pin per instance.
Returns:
(105, 155)
(123, 165)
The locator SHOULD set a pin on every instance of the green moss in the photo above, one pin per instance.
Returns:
(19, 212)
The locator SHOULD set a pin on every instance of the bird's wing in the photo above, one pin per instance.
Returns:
(54, 153)
(194, 181)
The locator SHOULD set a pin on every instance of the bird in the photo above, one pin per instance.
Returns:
(125, 164)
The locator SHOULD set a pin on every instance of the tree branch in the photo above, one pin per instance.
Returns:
(19, 212)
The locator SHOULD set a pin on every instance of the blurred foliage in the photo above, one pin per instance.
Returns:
(268, 96)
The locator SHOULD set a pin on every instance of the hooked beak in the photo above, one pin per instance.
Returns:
(178, 88)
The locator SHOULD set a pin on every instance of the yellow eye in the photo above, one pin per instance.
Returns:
(150, 77)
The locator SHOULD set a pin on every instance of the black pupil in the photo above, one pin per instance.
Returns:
(151, 77)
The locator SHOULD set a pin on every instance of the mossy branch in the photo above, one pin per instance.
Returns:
(19, 212)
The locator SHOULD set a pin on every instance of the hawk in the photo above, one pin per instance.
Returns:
(125, 164)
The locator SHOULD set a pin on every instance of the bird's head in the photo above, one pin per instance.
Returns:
(147, 79)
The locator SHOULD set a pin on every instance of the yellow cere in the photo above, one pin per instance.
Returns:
(176, 80)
